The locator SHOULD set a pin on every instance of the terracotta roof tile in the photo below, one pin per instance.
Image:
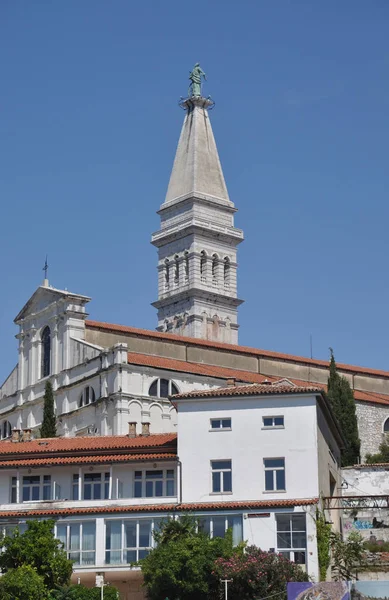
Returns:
(203, 506)
(84, 460)
(88, 444)
(231, 348)
(249, 390)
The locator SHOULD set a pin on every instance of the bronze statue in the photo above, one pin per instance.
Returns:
(195, 79)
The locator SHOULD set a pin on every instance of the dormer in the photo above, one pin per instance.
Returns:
(47, 323)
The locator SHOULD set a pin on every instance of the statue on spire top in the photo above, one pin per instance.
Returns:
(195, 80)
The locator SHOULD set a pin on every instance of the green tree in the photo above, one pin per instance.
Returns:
(80, 592)
(182, 564)
(22, 583)
(257, 574)
(48, 429)
(38, 548)
(382, 456)
(347, 555)
(342, 401)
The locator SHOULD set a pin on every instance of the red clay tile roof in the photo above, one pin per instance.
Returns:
(182, 366)
(231, 347)
(73, 445)
(103, 459)
(248, 390)
(203, 506)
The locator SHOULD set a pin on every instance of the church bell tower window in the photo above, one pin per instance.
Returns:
(167, 274)
(203, 266)
(176, 270)
(186, 254)
(226, 272)
(215, 264)
(46, 352)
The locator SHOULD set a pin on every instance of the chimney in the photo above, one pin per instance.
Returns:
(146, 428)
(26, 435)
(132, 429)
(15, 435)
(231, 382)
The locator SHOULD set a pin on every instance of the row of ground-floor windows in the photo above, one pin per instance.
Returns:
(130, 540)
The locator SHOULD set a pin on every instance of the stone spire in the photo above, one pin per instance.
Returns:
(197, 241)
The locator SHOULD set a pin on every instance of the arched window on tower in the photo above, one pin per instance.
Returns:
(386, 426)
(186, 255)
(46, 352)
(227, 269)
(203, 266)
(215, 262)
(162, 388)
(6, 430)
(87, 396)
(176, 270)
(167, 274)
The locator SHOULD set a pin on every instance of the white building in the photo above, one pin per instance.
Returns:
(243, 457)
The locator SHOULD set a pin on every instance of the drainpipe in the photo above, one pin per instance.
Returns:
(179, 490)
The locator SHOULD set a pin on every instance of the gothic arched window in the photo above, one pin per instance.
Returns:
(162, 388)
(167, 274)
(186, 254)
(87, 396)
(226, 271)
(215, 261)
(6, 430)
(46, 352)
(386, 426)
(203, 265)
(176, 269)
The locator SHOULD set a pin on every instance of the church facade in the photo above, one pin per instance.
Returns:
(113, 386)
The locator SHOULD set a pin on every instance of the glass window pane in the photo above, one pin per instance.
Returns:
(149, 489)
(26, 494)
(46, 492)
(267, 421)
(138, 475)
(130, 534)
(236, 524)
(144, 534)
(215, 423)
(271, 463)
(153, 390)
(113, 535)
(170, 473)
(75, 557)
(154, 474)
(89, 536)
(35, 492)
(226, 423)
(216, 482)
(113, 557)
(221, 464)
(280, 480)
(130, 556)
(283, 522)
(75, 537)
(46, 478)
(298, 540)
(138, 489)
(269, 485)
(97, 491)
(284, 540)
(299, 558)
(204, 524)
(163, 388)
(174, 389)
(298, 522)
(61, 534)
(227, 481)
(279, 421)
(143, 554)
(87, 491)
(219, 526)
(75, 491)
(170, 487)
(159, 488)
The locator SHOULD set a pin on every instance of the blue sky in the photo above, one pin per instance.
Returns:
(89, 123)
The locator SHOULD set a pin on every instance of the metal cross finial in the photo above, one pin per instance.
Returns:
(46, 267)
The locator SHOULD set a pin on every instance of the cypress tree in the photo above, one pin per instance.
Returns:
(48, 428)
(342, 401)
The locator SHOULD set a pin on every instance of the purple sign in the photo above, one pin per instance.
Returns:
(330, 590)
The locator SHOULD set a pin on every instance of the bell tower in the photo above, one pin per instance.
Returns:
(197, 241)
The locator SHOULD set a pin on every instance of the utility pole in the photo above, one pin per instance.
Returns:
(226, 582)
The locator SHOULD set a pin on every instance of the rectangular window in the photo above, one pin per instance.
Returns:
(274, 474)
(221, 476)
(35, 487)
(220, 424)
(79, 540)
(13, 489)
(273, 422)
(292, 537)
(96, 486)
(216, 526)
(154, 484)
(75, 489)
(128, 541)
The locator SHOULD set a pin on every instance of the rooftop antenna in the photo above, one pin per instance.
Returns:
(45, 269)
(310, 343)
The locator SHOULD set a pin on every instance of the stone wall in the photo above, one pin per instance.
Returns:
(371, 418)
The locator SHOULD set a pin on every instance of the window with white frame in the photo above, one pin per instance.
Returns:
(95, 486)
(87, 396)
(34, 488)
(154, 483)
(217, 525)
(10, 528)
(162, 388)
(292, 537)
(79, 540)
(220, 424)
(128, 540)
(274, 474)
(273, 422)
(221, 476)
(5, 430)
